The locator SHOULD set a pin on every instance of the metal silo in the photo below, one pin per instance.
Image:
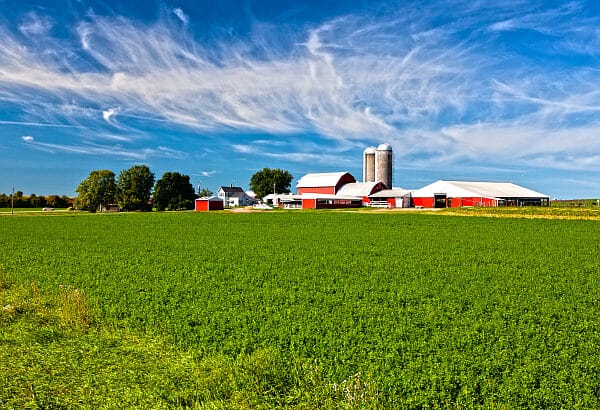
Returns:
(369, 164)
(384, 163)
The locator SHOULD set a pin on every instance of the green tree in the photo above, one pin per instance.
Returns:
(96, 190)
(19, 200)
(173, 191)
(37, 201)
(262, 182)
(56, 201)
(133, 188)
(205, 193)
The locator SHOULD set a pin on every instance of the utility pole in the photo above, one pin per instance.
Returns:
(12, 201)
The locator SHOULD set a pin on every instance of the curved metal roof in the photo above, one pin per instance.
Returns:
(358, 189)
(384, 147)
(321, 179)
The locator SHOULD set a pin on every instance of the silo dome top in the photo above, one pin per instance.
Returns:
(369, 150)
(384, 147)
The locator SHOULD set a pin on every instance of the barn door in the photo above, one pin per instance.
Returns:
(440, 201)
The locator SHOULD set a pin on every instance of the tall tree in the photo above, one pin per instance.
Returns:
(133, 188)
(265, 181)
(37, 201)
(56, 201)
(173, 191)
(205, 193)
(96, 190)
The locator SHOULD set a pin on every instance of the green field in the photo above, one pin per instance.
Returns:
(299, 310)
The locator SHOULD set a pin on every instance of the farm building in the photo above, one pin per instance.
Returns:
(361, 190)
(325, 201)
(209, 204)
(324, 183)
(442, 194)
(331, 190)
(234, 196)
(391, 198)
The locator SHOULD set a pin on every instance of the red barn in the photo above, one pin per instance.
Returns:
(324, 183)
(209, 204)
(442, 194)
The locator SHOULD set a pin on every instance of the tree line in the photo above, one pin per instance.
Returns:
(19, 200)
(135, 189)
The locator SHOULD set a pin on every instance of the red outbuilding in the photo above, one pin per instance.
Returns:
(209, 204)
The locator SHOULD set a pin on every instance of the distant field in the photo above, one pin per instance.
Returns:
(299, 309)
(576, 203)
(558, 212)
(21, 210)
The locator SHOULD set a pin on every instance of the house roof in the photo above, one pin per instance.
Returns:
(321, 179)
(358, 189)
(230, 189)
(477, 189)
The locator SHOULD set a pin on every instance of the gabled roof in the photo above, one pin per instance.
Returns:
(463, 189)
(321, 179)
(230, 189)
(359, 189)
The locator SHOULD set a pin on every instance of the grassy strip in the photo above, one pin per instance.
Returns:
(591, 213)
(55, 353)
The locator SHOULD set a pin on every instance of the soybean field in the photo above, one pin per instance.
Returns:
(304, 309)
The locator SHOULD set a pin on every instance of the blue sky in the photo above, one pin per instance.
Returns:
(470, 90)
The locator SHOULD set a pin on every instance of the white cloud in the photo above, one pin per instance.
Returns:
(108, 114)
(181, 15)
(33, 24)
(116, 151)
(428, 88)
(27, 138)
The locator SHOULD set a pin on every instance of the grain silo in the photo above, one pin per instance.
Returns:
(384, 164)
(369, 164)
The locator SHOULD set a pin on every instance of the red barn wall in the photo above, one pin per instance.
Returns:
(309, 203)
(456, 202)
(424, 202)
(330, 190)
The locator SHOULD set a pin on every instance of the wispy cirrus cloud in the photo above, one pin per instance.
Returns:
(35, 25)
(98, 149)
(181, 15)
(430, 81)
